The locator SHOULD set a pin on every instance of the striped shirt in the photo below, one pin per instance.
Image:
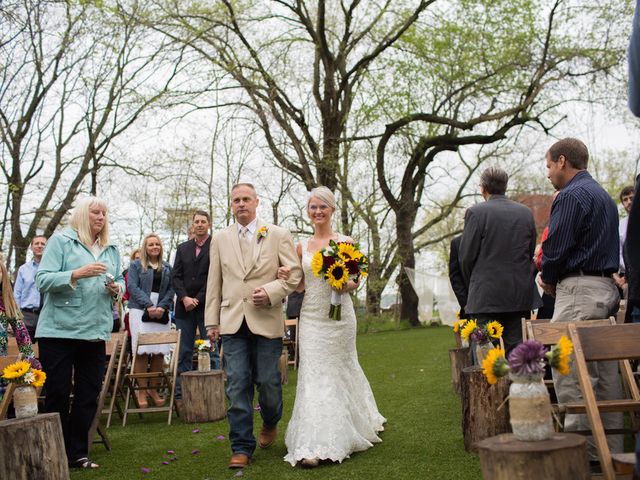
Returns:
(583, 231)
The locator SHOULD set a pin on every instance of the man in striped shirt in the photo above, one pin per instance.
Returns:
(579, 257)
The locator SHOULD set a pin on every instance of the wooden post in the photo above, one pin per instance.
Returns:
(203, 396)
(481, 417)
(33, 448)
(283, 365)
(460, 358)
(563, 456)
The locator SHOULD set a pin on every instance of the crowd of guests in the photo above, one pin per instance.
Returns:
(66, 299)
(583, 265)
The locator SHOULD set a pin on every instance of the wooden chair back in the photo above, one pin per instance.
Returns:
(168, 379)
(613, 342)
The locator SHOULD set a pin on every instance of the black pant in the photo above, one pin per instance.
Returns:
(61, 358)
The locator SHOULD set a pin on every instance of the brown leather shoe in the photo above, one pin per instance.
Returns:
(267, 436)
(239, 460)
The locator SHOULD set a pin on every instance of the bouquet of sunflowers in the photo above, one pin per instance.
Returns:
(527, 359)
(469, 330)
(22, 373)
(338, 263)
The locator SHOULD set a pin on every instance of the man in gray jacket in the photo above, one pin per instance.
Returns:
(496, 258)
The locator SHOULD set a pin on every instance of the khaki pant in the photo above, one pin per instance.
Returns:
(581, 299)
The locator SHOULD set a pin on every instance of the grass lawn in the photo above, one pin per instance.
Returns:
(410, 376)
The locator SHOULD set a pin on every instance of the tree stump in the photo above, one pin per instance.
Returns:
(563, 456)
(32, 448)
(480, 401)
(460, 358)
(203, 396)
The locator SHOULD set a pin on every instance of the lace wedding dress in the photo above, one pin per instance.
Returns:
(334, 413)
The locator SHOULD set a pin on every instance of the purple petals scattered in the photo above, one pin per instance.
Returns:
(165, 463)
(195, 452)
(257, 408)
(220, 437)
(195, 430)
(170, 452)
(145, 470)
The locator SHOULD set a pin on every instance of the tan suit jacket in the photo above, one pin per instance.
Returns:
(230, 285)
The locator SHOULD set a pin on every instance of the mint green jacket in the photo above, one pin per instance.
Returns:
(83, 312)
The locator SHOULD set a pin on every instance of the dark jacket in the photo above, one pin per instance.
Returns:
(455, 275)
(496, 257)
(190, 277)
(140, 283)
(631, 250)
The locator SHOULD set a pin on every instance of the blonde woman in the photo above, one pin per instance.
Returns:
(335, 413)
(79, 276)
(150, 301)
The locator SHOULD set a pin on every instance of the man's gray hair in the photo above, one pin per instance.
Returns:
(494, 181)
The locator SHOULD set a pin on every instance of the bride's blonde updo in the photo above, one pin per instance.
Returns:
(325, 195)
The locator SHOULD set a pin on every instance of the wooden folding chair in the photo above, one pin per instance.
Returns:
(116, 382)
(604, 343)
(8, 393)
(168, 379)
(111, 348)
(292, 340)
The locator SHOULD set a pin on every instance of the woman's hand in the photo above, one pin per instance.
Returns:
(89, 270)
(283, 273)
(112, 289)
(155, 312)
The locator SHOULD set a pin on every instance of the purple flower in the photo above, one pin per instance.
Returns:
(171, 452)
(145, 470)
(220, 437)
(165, 463)
(195, 452)
(527, 358)
(195, 430)
(479, 336)
(257, 408)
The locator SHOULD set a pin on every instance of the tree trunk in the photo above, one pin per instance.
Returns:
(33, 448)
(405, 219)
(203, 396)
(563, 456)
(460, 358)
(480, 401)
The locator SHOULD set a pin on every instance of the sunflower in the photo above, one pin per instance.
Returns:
(458, 324)
(560, 354)
(494, 329)
(337, 275)
(317, 262)
(468, 329)
(16, 370)
(39, 378)
(199, 342)
(494, 365)
(346, 252)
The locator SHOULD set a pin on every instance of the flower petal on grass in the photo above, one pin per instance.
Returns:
(257, 408)
(220, 437)
(165, 463)
(171, 452)
(195, 430)
(195, 452)
(145, 470)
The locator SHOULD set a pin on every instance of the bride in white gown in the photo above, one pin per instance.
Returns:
(335, 413)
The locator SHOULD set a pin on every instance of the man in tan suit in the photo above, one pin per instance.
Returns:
(244, 305)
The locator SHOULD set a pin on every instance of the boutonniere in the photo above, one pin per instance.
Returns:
(262, 233)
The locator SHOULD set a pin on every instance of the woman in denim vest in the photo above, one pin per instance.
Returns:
(150, 301)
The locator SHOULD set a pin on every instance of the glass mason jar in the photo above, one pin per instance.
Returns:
(25, 401)
(204, 362)
(530, 408)
(482, 349)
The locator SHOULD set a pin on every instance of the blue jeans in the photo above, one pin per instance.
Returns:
(635, 317)
(251, 359)
(187, 344)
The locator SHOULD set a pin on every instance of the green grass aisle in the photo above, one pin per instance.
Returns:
(410, 376)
